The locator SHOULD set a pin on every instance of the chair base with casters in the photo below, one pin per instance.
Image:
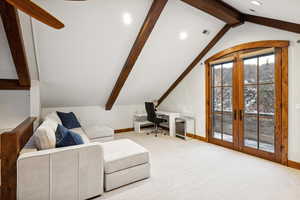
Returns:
(156, 128)
(152, 117)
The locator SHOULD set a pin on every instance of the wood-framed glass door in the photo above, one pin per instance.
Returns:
(246, 100)
(259, 104)
(222, 104)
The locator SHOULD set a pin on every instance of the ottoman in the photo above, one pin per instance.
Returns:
(124, 162)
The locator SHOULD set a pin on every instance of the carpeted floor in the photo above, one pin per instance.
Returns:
(194, 170)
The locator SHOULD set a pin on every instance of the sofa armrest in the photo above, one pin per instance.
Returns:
(74, 172)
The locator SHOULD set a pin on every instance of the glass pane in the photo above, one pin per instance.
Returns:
(266, 133)
(217, 74)
(266, 69)
(217, 126)
(250, 99)
(250, 70)
(266, 98)
(250, 131)
(227, 126)
(217, 98)
(227, 74)
(227, 99)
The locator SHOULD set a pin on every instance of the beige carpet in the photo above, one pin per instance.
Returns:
(194, 170)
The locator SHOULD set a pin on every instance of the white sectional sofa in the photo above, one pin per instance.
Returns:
(81, 171)
(74, 172)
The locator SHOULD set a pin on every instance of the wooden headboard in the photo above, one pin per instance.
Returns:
(11, 143)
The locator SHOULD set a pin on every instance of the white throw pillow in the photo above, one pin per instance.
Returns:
(54, 117)
(51, 124)
(44, 136)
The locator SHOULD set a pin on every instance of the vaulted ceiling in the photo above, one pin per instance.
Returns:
(79, 64)
(276, 9)
(165, 56)
(89, 53)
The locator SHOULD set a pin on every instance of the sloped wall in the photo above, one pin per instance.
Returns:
(7, 68)
(80, 63)
(119, 117)
(189, 96)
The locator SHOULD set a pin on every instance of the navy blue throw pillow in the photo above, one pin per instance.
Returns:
(60, 133)
(69, 120)
(65, 137)
(77, 138)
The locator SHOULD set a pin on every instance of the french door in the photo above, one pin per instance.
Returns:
(245, 109)
(222, 91)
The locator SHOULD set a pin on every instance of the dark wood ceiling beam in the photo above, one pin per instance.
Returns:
(219, 9)
(13, 32)
(145, 31)
(214, 41)
(12, 84)
(274, 23)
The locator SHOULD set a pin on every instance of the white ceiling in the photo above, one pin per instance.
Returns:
(79, 64)
(287, 10)
(7, 67)
(165, 56)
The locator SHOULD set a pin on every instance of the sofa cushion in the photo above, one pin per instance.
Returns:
(96, 131)
(44, 136)
(69, 120)
(54, 117)
(66, 138)
(80, 132)
(123, 154)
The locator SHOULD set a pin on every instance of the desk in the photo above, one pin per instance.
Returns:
(170, 115)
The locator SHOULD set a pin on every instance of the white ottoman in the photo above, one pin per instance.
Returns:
(124, 162)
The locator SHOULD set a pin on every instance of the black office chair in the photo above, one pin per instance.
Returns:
(152, 117)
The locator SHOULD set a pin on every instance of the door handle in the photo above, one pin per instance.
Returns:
(234, 114)
(241, 115)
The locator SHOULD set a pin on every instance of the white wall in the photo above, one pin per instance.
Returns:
(15, 105)
(14, 108)
(189, 96)
(119, 117)
(7, 67)
(35, 99)
(29, 45)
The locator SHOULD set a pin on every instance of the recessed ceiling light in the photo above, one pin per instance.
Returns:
(257, 3)
(127, 19)
(183, 35)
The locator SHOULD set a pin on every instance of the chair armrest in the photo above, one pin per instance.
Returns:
(74, 172)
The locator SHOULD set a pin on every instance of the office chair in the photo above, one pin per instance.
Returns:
(151, 116)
